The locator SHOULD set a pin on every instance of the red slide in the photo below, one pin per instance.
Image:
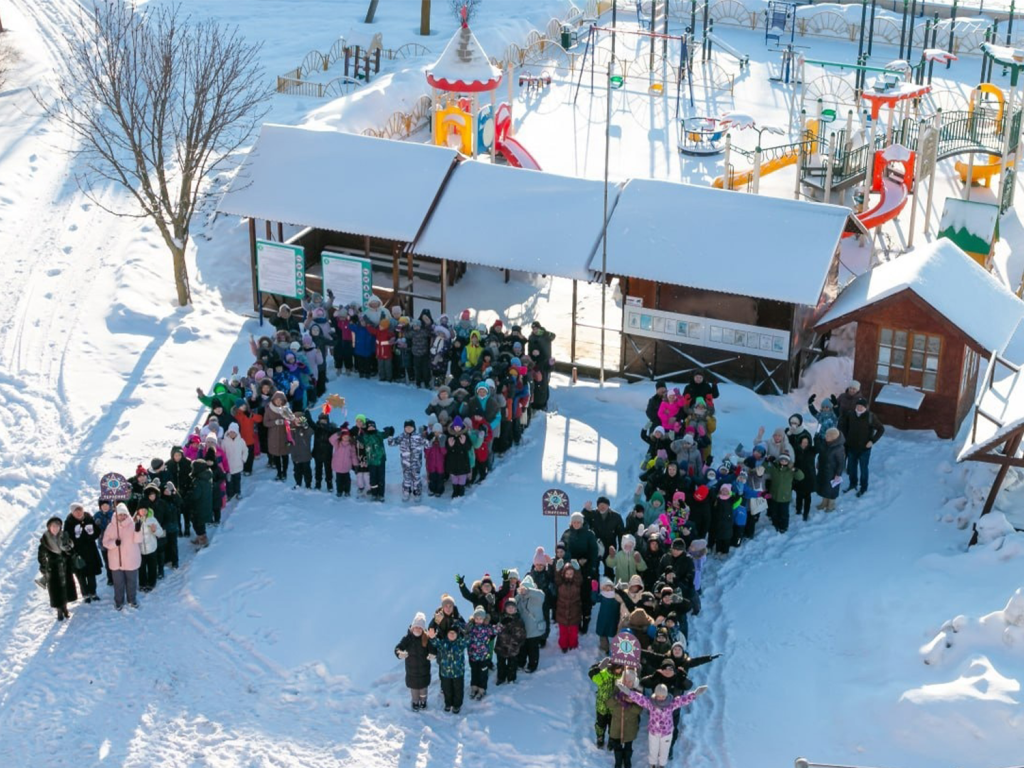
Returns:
(515, 154)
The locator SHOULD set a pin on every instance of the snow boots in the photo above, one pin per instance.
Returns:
(201, 542)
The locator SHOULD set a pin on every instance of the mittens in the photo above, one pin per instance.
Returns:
(403, 654)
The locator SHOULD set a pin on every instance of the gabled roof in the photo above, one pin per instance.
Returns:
(463, 66)
(512, 218)
(338, 181)
(949, 281)
(716, 240)
(1000, 407)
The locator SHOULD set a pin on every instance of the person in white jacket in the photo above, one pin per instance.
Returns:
(236, 451)
(152, 532)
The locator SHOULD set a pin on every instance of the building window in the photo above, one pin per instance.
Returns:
(908, 358)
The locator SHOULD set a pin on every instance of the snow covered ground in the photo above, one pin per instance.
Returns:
(273, 647)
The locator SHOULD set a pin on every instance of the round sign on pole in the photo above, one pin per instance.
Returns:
(115, 487)
(555, 503)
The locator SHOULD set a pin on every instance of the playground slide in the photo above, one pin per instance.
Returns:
(894, 197)
(741, 58)
(982, 173)
(739, 178)
(516, 154)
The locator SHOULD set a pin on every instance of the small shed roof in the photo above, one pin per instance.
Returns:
(463, 66)
(1001, 406)
(531, 221)
(971, 225)
(338, 181)
(715, 240)
(950, 281)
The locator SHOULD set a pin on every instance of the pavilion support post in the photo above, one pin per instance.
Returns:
(1011, 449)
(252, 264)
(444, 285)
(366, 246)
(280, 232)
(395, 273)
(270, 231)
(507, 275)
(572, 336)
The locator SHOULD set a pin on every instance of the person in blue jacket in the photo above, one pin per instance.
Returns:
(364, 347)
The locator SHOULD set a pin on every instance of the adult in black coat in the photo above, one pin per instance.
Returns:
(862, 430)
(721, 520)
(416, 649)
(677, 560)
(804, 453)
(831, 461)
(201, 498)
(700, 386)
(539, 347)
(179, 470)
(700, 512)
(55, 552)
(456, 458)
(660, 392)
(652, 554)
(84, 533)
(323, 450)
(668, 480)
(657, 440)
(581, 546)
(605, 522)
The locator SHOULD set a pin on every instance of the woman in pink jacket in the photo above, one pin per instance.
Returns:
(669, 410)
(343, 460)
(123, 541)
(660, 707)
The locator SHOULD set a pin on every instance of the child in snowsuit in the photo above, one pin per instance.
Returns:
(434, 455)
(569, 605)
(660, 707)
(479, 634)
(411, 446)
(416, 649)
(343, 461)
(604, 675)
(608, 607)
(451, 667)
(373, 446)
(510, 640)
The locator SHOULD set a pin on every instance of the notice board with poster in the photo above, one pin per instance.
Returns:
(280, 269)
(707, 332)
(349, 277)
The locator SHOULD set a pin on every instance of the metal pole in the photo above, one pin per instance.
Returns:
(757, 167)
(863, 19)
(828, 170)
(728, 153)
(952, 26)
(910, 29)
(801, 159)
(903, 28)
(970, 177)
(604, 223)
(1009, 22)
(871, 28)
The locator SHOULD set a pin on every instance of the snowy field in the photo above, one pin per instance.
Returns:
(274, 646)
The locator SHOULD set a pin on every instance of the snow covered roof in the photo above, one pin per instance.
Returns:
(947, 279)
(715, 240)
(338, 181)
(972, 225)
(464, 66)
(1000, 408)
(513, 218)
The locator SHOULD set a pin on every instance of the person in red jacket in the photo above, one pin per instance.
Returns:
(385, 348)
(483, 451)
(247, 423)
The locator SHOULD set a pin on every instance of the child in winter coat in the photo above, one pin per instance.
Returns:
(481, 595)
(152, 532)
(451, 666)
(385, 349)
(604, 675)
(376, 458)
(805, 453)
(626, 562)
(434, 454)
(343, 340)
(481, 448)
(411, 447)
(652, 508)
(698, 552)
(530, 600)
(364, 346)
(302, 452)
(781, 478)
(660, 707)
(510, 640)
(569, 604)
(417, 649)
(480, 633)
(322, 451)
(457, 457)
(625, 721)
(609, 606)
(236, 452)
(343, 461)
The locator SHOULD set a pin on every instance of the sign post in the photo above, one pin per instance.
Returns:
(280, 269)
(115, 487)
(626, 650)
(555, 503)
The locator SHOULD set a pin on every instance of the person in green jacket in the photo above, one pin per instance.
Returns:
(626, 562)
(781, 476)
(653, 507)
(625, 723)
(604, 675)
(376, 456)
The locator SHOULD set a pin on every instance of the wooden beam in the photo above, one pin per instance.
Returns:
(1008, 461)
(252, 263)
(395, 271)
(280, 232)
(1011, 449)
(572, 337)
(444, 285)
(270, 232)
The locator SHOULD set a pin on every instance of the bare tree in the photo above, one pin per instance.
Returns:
(456, 6)
(424, 17)
(158, 101)
(8, 58)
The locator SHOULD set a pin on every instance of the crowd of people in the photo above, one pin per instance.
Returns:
(486, 384)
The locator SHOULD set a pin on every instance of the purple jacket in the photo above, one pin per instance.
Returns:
(435, 456)
(344, 457)
(659, 723)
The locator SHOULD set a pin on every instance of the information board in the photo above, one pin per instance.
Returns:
(707, 332)
(350, 278)
(280, 269)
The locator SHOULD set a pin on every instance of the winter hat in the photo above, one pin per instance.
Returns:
(75, 505)
(464, 315)
(307, 340)
(725, 491)
(854, 385)
(699, 547)
(659, 386)
(295, 346)
(700, 403)
(628, 539)
(175, 449)
(575, 517)
(798, 419)
(688, 438)
(419, 620)
(658, 497)
(783, 457)
(679, 545)
(680, 643)
(446, 598)
(156, 465)
(603, 500)
(560, 546)
(140, 470)
(232, 429)
(121, 509)
(479, 612)
(832, 434)
(481, 385)
(701, 493)
(513, 573)
(487, 578)
(635, 581)
(862, 401)
(511, 603)
(457, 422)
(540, 558)
(679, 496)
(211, 438)
(661, 692)
(438, 429)
(497, 324)
(659, 429)
(410, 423)
(662, 455)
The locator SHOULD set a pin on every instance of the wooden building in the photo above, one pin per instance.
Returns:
(924, 322)
(731, 283)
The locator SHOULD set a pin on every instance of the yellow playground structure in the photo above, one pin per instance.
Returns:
(783, 159)
(983, 172)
